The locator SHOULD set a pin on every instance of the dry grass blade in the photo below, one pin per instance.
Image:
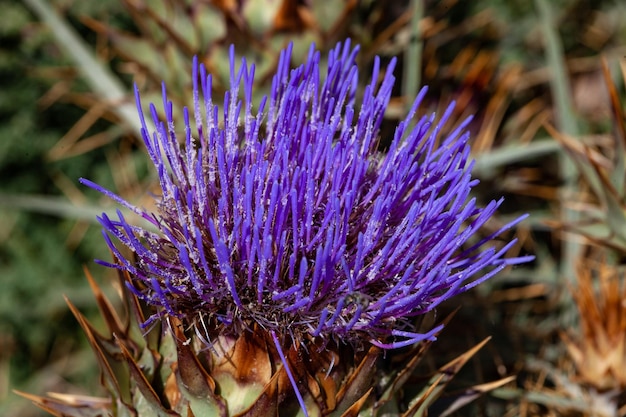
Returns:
(100, 79)
(585, 158)
(69, 405)
(436, 385)
(603, 220)
(496, 109)
(403, 375)
(446, 406)
(66, 144)
(125, 44)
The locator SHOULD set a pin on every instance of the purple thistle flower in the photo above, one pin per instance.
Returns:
(285, 214)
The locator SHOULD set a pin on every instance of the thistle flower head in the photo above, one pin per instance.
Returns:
(285, 214)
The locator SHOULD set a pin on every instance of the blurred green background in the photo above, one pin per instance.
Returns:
(531, 72)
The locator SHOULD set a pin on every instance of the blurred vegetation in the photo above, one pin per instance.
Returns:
(548, 134)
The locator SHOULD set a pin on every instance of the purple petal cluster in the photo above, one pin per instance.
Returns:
(285, 214)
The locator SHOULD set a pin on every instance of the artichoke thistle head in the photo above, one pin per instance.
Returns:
(284, 216)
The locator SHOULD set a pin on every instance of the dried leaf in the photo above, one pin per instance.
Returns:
(62, 405)
(420, 404)
(445, 406)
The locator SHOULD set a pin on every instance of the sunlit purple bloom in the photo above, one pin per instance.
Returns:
(284, 213)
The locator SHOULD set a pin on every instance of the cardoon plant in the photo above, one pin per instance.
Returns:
(287, 249)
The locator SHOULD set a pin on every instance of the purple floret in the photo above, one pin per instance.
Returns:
(284, 213)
